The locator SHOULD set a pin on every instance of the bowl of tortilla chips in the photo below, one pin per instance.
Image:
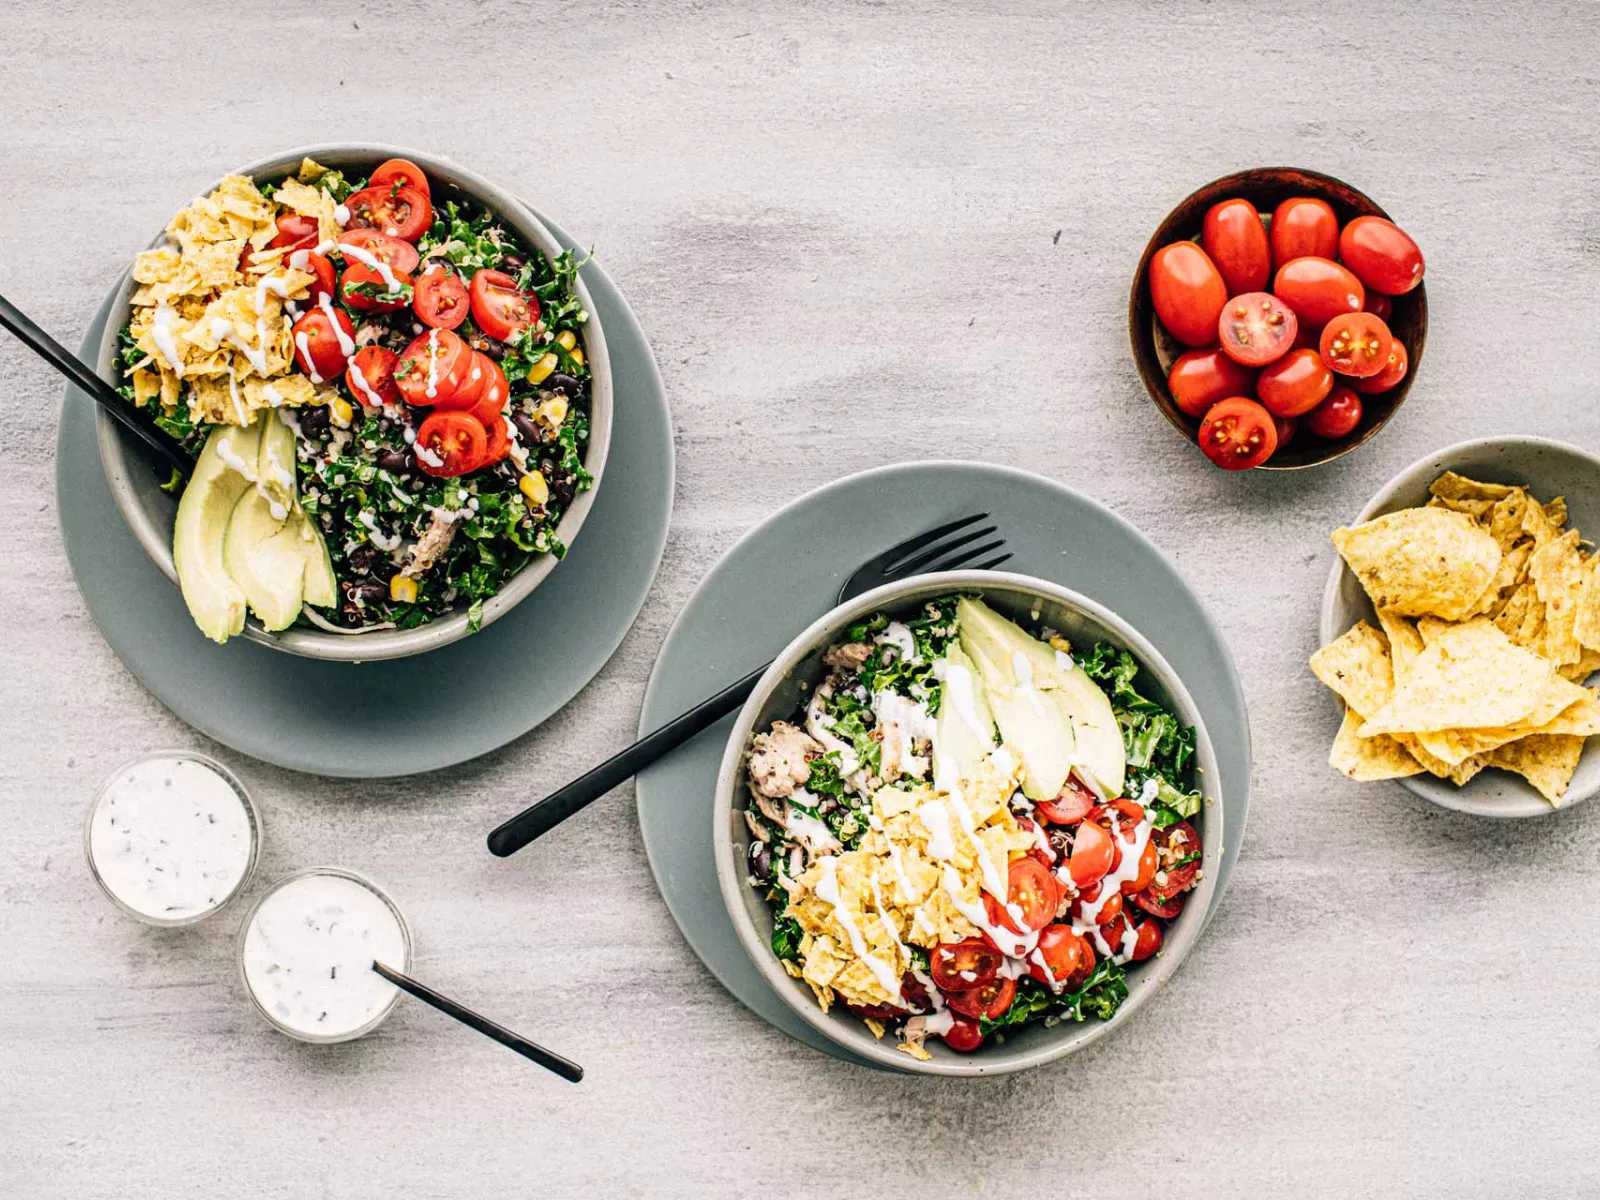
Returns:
(1461, 624)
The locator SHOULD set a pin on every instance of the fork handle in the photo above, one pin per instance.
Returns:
(544, 815)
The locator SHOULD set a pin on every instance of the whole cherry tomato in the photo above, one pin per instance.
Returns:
(1301, 226)
(1394, 370)
(1074, 801)
(1256, 329)
(1287, 427)
(1236, 241)
(1202, 377)
(1382, 255)
(1378, 305)
(963, 1036)
(1188, 293)
(1356, 344)
(1237, 434)
(1149, 935)
(1295, 384)
(1318, 289)
(1336, 416)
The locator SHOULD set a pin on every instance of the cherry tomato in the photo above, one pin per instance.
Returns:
(988, 1000)
(366, 290)
(370, 376)
(1382, 255)
(875, 1012)
(1174, 844)
(321, 347)
(1187, 292)
(472, 386)
(1301, 226)
(295, 232)
(1287, 428)
(1356, 344)
(1119, 816)
(1062, 951)
(1236, 241)
(1029, 888)
(441, 299)
(491, 403)
(1295, 384)
(913, 993)
(1256, 329)
(1336, 416)
(450, 444)
(318, 266)
(963, 1036)
(401, 172)
(1158, 905)
(499, 442)
(1092, 851)
(499, 308)
(401, 212)
(959, 966)
(1318, 289)
(1089, 906)
(1199, 378)
(1378, 305)
(1115, 933)
(1394, 370)
(1149, 940)
(364, 244)
(1147, 870)
(1238, 434)
(439, 356)
(1070, 807)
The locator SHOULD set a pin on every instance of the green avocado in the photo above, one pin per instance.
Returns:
(965, 730)
(1045, 706)
(275, 470)
(322, 589)
(262, 553)
(215, 601)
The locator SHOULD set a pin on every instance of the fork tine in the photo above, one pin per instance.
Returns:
(915, 565)
(962, 560)
(992, 563)
(911, 545)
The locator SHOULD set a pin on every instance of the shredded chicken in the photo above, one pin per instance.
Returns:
(780, 760)
(847, 656)
(434, 541)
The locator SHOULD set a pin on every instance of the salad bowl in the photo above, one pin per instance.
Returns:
(135, 479)
(793, 676)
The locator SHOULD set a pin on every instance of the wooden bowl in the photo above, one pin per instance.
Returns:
(1266, 187)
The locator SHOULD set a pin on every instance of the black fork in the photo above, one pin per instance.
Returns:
(936, 550)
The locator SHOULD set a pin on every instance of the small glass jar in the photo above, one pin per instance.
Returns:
(172, 845)
(263, 955)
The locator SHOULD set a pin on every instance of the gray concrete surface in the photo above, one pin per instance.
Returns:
(839, 224)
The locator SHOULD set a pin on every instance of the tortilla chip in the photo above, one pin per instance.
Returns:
(1357, 667)
(1556, 511)
(1369, 759)
(1471, 676)
(1587, 624)
(1506, 518)
(1547, 762)
(1451, 486)
(1558, 572)
(1422, 561)
(1586, 666)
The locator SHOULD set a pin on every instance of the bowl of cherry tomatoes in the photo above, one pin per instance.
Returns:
(1278, 318)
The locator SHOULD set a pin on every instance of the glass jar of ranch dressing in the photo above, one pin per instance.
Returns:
(172, 837)
(307, 949)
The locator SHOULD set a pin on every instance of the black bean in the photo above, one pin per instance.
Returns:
(394, 461)
(494, 349)
(511, 264)
(363, 559)
(562, 383)
(314, 421)
(526, 429)
(760, 860)
(370, 591)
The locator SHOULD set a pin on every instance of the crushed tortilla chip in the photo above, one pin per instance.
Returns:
(1420, 561)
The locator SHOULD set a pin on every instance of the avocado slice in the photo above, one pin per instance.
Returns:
(1045, 706)
(275, 466)
(322, 589)
(275, 463)
(262, 553)
(215, 601)
(964, 733)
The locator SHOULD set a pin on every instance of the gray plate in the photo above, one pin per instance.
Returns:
(484, 690)
(785, 573)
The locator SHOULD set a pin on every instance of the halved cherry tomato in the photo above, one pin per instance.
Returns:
(1062, 951)
(1114, 933)
(1120, 816)
(441, 299)
(1378, 305)
(370, 376)
(1236, 241)
(963, 1036)
(1158, 905)
(1092, 850)
(1382, 255)
(1256, 328)
(499, 443)
(450, 444)
(1237, 434)
(366, 290)
(380, 247)
(958, 966)
(470, 390)
(1295, 384)
(1199, 378)
(1149, 940)
(1188, 293)
(1070, 807)
(1301, 226)
(491, 403)
(321, 347)
(1287, 427)
(1174, 844)
(1394, 370)
(499, 308)
(439, 356)
(1318, 289)
(1147, 869)
(1089, 906)
(295, 232)
(1356, 344)
(401, 172)
(324, 279)
(1336, 416)
(401, 212)
(1030, 889)
(989, 1000)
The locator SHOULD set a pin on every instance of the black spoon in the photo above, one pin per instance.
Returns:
(70, 365)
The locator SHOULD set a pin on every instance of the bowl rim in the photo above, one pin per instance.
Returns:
(1382, 501)
(993, 1060)
(1239, 183)
(120, 461)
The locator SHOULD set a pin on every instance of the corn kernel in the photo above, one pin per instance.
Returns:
(540, 371)
(403, 589)
(577, 355)
(535, 489)
(340, 411)
(566, 339)
(552, 412)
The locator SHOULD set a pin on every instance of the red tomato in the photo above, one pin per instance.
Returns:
(1336, 416)
(1092, 852)
(1115, 933)
(370, 376)
(320, 269)
(990, 1000)
(1378, 305)
(1123, 813)
(472, 386)
(438, 356)
(959, 966)
(366, 290)
(319, 347)
(1158, 905)
(450, 444)
(1356, 344)
(401, 172)
(1318, 289)
(1303, 226)
(295, 232)
(1149, 940)
(1382, 255)
(1147, 870)
(1237, 434)
(364, 244)
(1287, 427)
(441, 299)
(499, 308)
(499, 443)
(1089, 902)
(401, 212)
(1188, 293)
(1070, 807)
(1202, 377)
(1236, 242)
(1394, 370)
(1256, 329)
(1029, 888)
(1174, 844)
(963, 1036)
(491, 404)
(1295, 384)
(1062, 951)
(875, 1012)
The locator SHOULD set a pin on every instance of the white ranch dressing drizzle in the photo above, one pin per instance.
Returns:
(356, 377)
(368, 259)
(1087, 922)
(898, 634)
(347, 345)
(305, 357)
(1024, 670)
(341, 215)
(161, 334)
(959, 691)
(827, 889)
(388, 543)
(234, 459)
(901, 882)
(423, 453)
(941, 1020)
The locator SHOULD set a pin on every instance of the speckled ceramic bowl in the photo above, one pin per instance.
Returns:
(781, 691)
(135, 478)
(1546, 468)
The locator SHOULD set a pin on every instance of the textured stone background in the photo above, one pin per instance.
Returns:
(837, 223)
